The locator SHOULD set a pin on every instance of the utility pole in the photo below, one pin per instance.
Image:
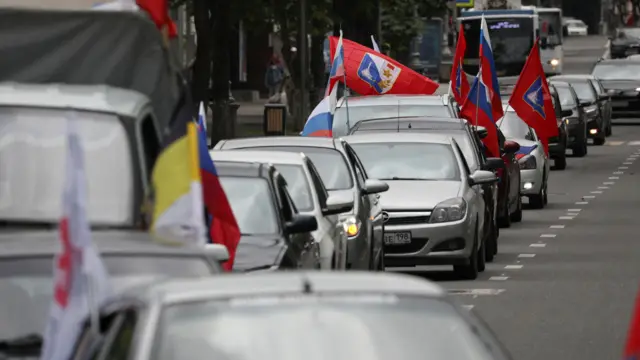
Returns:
(303, 50)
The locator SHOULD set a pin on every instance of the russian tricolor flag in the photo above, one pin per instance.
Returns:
(320, 122)
(488, 71)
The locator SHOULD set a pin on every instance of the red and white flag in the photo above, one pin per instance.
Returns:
(80, 279)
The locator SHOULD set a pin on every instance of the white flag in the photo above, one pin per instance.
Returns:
(81, 281)
(375, 44)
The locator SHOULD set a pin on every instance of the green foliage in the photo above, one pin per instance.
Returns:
(399, 23)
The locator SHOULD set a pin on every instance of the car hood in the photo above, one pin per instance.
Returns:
(258, 252)
(625, 41)
(417, 194)
(621, 85)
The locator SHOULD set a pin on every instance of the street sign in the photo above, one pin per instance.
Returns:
(464, 3)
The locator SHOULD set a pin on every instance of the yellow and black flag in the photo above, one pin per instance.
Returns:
(178, 209)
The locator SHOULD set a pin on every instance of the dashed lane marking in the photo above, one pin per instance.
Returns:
(574, 210)
(475, 292)
(633, 143)
(596, 192)
(614, 177)
(498, 278)
(615, 143)
(468, 307)
(618, 172)
(538, 245)
(582, 203)
(513, 267)
(609, 183)
(565, 217)
(556, 227)
(548, 235)
(627, 163)
(528, 256)
(573, 214)
(589, 197)
(603, 187)
(623, 167)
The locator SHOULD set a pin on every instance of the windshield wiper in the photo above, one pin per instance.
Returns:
(26, 345)
(404, 178)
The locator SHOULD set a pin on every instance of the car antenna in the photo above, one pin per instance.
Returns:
(306, 286)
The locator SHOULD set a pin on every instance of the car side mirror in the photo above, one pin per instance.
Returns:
(302, 224)
(338, 203)
(566, 113)
(482, 177)
(511, 147)
(372, 186)
(217, 253)
(494, 164)
(482, 132)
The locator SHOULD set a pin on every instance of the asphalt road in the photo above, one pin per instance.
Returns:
(564, 282)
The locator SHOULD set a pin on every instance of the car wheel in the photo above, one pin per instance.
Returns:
(580, 150)
(600, 140)
(537, 201)
(491, 244)
(504, 220)
(560, 163)
(517, 215)
(608, 130)
(482, 257)
(469, 271)
(546, 194)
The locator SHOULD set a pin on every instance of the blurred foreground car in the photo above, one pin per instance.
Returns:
(435, 208)
(309, 196)
(341, 171)
(131, 258)
(574, 117)
(625, 42)
(558, 144)
(290, 316)
(621, 79)
(275, 235)
(534, 163)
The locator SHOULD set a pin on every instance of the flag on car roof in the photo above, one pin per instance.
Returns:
(477, 110)
(81, 282)
(320, 122)
(178, 215)
(459, 83)
(531, 99)
(223, 227)
(369, 72)
(488, 72)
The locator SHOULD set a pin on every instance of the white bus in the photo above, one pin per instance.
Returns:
(551, 50)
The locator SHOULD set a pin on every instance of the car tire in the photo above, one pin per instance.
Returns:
(491, 243)
(546, 194)
(600, 140)
(537, 201)
(504, 220)
(580, 150)
(608, 131)
(380, 266)
(482, 257)
(469, 271)
(517, 215)
(560, 163)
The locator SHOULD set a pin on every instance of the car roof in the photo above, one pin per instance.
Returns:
(242, 168)
(570, 78)
(618, 61)
(173, 291)
(273, 157)
(302, 141)
(380, 100)
(26, 242)
(420, 122)
(433, 138)
(96, 98)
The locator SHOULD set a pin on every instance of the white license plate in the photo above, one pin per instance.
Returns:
(397, 238)
(619, 103)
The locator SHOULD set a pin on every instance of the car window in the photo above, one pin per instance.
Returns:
(619, 71)
(359, 113)
(597, 86)
(513, 127)
(331, 164)
(298, 185)
(289, 209)
(584, 90)
(120, 340)
(252, 204)
(469, 149)
(464, 161)
(355, 161)
(408, 161)
(89, 343)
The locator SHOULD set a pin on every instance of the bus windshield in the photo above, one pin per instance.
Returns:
(551, 26)
(511, 40)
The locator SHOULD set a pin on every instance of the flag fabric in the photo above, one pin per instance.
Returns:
(159, 12)
(178, 209)
(223, 227)
(369, 72)
(81, 282)
(459, 84)
(320, 122)
(531, 99)
(375, 44)
(632, 348)
(488, 71)
(477, 110)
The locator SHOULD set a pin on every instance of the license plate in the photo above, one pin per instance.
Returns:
(397, 238)
(619, 103)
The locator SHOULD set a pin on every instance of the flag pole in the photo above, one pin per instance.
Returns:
(346, 91)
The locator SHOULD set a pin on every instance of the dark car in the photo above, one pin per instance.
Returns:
(340, 170)
(588, 98)
(574, 118)
(558, 144)
(626, 42)
(130, 258)
(275, 236)
(621, 79)
(471, 145)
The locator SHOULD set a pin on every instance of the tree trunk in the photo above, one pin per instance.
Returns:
(202, 65)
(221, 126)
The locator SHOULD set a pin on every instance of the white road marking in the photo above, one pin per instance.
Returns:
(513, 267)
(468, 307)
(623, 167)
(596, 192)
(475, 292)
(627, 163)
(589, 197)
(618, 172)
(572, 214)
(609, 183)
(556, 227)
(603, 187)
(498, 278)
(634, 155)
(614, 177)
(548, 235)
(538, 245)
(527, 256)
(633, 143)
(566, 218)
(615, 143)
(574, 210)
(582, 203)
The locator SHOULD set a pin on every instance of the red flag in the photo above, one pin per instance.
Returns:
(369, 72)
(159, 12)
(531, 99)
(477, 110)
(459, 82)
(632, 349)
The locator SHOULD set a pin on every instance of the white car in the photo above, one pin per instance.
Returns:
(534, 163)
(576, 27)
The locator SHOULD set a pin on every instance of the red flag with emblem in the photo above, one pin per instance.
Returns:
(459, 82)
(369, 72)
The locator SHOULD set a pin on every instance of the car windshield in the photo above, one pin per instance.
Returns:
(584, 90)
(408, 161)
(567, 101)
(330, 163)
(30, 188)
(298, 186)
(617, 71)
(359, 113)
(513, 127)
(252, 204)
(330, 327)
(26, 285)
(630, 32)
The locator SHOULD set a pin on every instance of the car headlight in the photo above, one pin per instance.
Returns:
(638, 89)
(351, 225)
(528, 163)
(570, 121)
(554, 62)
(449, 210)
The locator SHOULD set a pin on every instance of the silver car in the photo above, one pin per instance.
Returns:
(310, 197)
(386, 106)
(289, 316)
(434, 209)
(534, 162)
